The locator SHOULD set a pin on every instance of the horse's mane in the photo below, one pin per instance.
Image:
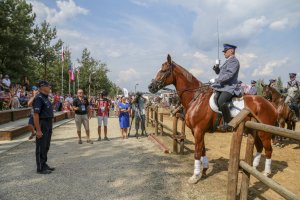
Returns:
(275, 90)
(188, 75)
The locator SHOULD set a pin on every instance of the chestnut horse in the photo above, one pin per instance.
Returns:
(285, 114)
(200, 118)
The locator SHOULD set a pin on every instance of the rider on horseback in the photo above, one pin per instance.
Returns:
(293, 103)
(226, 84)
(293, 82)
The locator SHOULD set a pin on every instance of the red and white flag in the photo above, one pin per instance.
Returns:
(71, 73)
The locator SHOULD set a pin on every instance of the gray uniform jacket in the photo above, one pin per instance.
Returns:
(253, 90)
(228, 77)
(293, 83)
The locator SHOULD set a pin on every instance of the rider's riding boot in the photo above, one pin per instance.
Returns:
(226, 117)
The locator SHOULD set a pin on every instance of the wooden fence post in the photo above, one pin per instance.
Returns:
(183, 137)
(161, 119)
(175, 146)
(234, 160)
(248, 160)
(156, 120)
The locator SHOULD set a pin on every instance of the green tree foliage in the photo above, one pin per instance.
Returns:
(16, 43)
(93, 74)
(259, 86)
(45, 52)
(31, 50)
(279, 84)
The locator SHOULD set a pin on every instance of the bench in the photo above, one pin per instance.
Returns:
(13, 129)
(13, 115)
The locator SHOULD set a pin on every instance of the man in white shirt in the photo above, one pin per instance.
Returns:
(69, 99)
(6, 81)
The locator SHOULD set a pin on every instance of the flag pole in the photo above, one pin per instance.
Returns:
(77, 79)
(62, 70)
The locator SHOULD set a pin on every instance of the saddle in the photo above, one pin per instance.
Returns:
(235, 105)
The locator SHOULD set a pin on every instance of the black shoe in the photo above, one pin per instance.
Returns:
(225, 128)
(50, 168)
(44, 171)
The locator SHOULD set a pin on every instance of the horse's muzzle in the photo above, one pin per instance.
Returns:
(153, 87)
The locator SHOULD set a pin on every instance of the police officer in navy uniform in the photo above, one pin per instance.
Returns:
(293, 82)
(253, 89)
(226, 84)
(43, 115)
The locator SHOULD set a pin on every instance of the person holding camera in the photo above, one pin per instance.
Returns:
(138, 107)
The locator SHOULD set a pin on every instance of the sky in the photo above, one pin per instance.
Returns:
(133, 37)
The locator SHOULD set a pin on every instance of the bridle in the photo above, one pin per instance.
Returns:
(160, 83)
(169, 71)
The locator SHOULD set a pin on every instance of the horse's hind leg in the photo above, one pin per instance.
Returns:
(259, 148)
(266, 140)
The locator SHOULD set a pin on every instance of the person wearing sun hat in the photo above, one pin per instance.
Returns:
(293, 82)
(226, 84)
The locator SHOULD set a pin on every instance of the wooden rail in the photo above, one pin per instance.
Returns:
(156, 120)
(251, 127)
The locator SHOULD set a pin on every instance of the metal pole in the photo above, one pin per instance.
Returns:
(77, 80)
(74, 87)
(90, 84)
(62, 78)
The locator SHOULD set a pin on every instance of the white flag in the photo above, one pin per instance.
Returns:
(125, 91)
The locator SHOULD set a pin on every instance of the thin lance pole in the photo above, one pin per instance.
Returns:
(218, 39)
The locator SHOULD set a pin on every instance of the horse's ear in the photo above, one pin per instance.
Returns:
(262, 84)
(169, 59)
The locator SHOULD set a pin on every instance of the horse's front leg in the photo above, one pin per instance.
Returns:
(199, 144)
(204, 160)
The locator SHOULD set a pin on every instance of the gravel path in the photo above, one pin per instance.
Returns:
(117, 169)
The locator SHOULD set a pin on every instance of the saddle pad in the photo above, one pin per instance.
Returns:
(235, 108)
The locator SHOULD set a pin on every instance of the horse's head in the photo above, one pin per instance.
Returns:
(266, 92)
(163, 77)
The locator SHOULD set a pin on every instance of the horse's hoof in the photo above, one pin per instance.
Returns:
(267, 174)
(204, 172)
(194, 179)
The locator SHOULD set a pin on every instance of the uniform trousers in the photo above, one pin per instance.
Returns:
(222, 98)
(43, 144)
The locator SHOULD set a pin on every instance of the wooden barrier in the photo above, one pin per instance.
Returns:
(156, 119)
(13, 115)
(250, 127)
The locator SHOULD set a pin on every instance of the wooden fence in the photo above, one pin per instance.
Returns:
(156, 120)
(250, 127)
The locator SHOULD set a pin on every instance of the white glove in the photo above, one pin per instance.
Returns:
(212, 81)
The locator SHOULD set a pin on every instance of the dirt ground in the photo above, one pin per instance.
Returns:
(130, 169)
(285, 163)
